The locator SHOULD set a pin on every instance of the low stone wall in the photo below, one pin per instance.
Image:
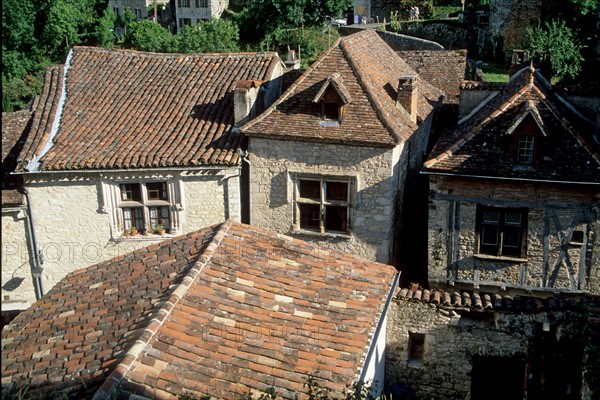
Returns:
(454, 339)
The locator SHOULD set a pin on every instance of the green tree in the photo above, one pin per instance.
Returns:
(215, 36)
(265, 16)
(105, 34)
(146, 35)
(557, 44)
(70, 22)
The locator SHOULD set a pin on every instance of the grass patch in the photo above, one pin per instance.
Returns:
(451, 11)
(495, 73)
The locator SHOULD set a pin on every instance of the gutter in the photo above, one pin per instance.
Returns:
(34, 253)
(505, 179)
(373, 344)
(127, 170)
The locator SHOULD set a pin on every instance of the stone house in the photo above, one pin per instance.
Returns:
(190, 12)
(330, 159)
(513, 264)
(514, 194)
(121, 140)
(222, 312)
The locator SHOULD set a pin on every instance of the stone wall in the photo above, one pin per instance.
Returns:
(73, 227)
(509, 19)
(372, 215)
(17, 282)
(196, 14)
(452, 222)
(453, 339)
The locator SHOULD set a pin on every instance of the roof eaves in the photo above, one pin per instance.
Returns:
(131, 356)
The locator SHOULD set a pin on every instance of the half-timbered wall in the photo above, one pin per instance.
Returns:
(560, 247)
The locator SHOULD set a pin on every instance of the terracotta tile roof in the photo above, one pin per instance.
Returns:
(219, 312)
(444, 69)
(370, 70)
(14, 126)
(488, 302)
(480, 145)
(83, 327)
(127, 109)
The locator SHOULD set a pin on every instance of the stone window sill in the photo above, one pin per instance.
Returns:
(499, 258)
(333, 235)
(142, 238)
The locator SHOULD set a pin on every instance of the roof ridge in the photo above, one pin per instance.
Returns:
(368, 90)
(132, 354)
(230, 54)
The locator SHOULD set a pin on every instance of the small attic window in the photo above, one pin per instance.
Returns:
(526, 148)
(332, 98)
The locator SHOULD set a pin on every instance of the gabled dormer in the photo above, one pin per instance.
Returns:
(332, 98)
(528, 132)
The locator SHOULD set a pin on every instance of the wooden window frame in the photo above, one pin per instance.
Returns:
(503, 227)
(324, 205)
(526, 149)
(148, 209)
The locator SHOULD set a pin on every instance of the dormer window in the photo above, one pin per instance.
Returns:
(528, 131)
(332, 98)
(526, 147)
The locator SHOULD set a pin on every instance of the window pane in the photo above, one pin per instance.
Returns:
(157, 191)
(491, 216)
(131, 192)
(512, 218)
(526, 148)
(310, 189)
(336, 191)
(309, 216)
(138, 216)
(165, 218)
(489, 235)
(511, 242)
(127, 218)
(336, 218)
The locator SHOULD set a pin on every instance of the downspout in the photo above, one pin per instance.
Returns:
(244, 156)
(382, 319)
(35, 254)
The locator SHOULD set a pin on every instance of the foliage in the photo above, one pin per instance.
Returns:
(215, 36)
(265, 16)
(557, 44)
(105, 34)
(69, 22)
(18, 21)
(307, 42)
(146, 35)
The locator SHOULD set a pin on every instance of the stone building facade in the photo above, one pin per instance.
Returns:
(106, 170)
(449, 345)
(514, 193)
(334, 158)
(190, 12)
(509, 20)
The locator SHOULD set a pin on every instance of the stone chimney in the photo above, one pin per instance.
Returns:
(245, 104)
(292, 61)
(408, 92)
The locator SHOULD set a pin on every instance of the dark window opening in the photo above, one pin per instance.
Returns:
(157, 191)
(131, 192)
(501, 231)
(486, 385)
(323, 205)
(331, 111)
(416, 347)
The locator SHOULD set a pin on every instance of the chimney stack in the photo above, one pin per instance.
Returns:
(407, 95)
(245, 104)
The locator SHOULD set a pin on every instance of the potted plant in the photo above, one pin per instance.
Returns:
(134, 231)
(160, 229)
